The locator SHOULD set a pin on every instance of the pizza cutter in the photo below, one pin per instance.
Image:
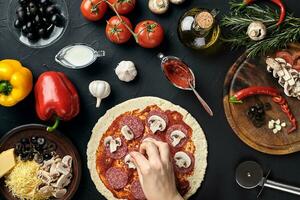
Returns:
(249, 175)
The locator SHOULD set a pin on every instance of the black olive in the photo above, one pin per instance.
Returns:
(30, 156)
(47, 156)
(18, 24)
(41, 141)
(57, 20)
(50, 10)
(261, 111)
(29, 26)
(32, 9)
(45, 2)
(259, 105)
(19, 9)
(38, 148)
(250, 114)
(259, 117)
(49, 30)
(27, 147)
(38, 158)
(42, 32)
(33, 139)
(51, 146)
(24, 141)
(23, 2)
(32, 36)
(23, 156)
(21, 15)
(24, 30)
(267, 106)
(253, 109)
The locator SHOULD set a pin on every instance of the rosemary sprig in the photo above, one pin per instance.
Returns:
(237, 22)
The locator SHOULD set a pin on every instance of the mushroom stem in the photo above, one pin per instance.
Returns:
(98, 102)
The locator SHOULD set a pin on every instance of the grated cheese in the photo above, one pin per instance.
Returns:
(22, 181)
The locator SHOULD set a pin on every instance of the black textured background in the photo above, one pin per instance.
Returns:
(225, 149)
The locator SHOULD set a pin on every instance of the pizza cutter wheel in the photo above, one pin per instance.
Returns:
(249, 175)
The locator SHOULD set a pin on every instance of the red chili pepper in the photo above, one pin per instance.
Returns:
(285, 108)
(240, 95)
(56, 98)
(277, 2)
(282, 11)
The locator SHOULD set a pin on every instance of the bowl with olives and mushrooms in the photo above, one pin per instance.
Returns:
(37, 23)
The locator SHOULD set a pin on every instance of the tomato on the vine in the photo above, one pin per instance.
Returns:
(93, 10)
(149, 34)
(116, 31)
(123, 7)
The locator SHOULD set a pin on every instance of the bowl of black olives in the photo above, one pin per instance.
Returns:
(38, 23)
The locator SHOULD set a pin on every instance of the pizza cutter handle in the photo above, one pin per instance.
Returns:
(282, 187)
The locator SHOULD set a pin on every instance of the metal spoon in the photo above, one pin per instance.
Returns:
(249, 175)
(192, 82)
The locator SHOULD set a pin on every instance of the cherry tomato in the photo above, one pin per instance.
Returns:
(116, 31)
(123, 7)
(149, 33)
(93, 10)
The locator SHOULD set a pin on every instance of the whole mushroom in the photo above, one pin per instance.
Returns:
(257, 31)
(100, 90)
(158, 6)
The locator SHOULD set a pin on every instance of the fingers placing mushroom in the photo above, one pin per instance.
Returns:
(158, 6)
(156, 123)
(112, 143)
(176, 137)
(129, 162)
(127, 133)
(182, 160)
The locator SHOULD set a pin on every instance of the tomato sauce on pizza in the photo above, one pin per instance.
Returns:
(127, 132)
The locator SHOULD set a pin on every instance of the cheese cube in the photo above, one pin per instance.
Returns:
(8, 161)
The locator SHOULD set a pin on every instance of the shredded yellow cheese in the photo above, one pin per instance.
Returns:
(22, 181)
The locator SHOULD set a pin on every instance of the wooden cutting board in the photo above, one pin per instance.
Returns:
(247, 72)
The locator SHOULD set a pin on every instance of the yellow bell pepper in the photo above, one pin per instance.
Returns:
(15, 82)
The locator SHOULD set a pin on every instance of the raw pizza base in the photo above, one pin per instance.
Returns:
(105, 121)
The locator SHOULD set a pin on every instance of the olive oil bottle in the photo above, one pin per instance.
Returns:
(198, 29)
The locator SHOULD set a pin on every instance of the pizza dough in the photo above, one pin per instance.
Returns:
(105, 121)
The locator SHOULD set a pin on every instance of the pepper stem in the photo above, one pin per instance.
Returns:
(233, 99)
(5, 87)
(53, 128)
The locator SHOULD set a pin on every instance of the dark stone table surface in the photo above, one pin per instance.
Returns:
(225, 149)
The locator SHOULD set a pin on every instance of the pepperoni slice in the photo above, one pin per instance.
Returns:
(120, 153)
(158, 113)
(137, 191)
(135, 124)
(182, 186)
(185, 170)
(116, 178)
(175, 127)
(286, 56)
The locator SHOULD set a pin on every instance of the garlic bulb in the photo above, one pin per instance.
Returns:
(257, 31)
(126, 71)
(100, 90)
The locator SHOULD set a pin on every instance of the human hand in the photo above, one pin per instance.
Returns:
(156, 173)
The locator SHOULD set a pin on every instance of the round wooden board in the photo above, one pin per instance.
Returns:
(64, 147)
(247, 72)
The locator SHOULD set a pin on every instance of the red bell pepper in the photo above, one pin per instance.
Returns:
(56, 98)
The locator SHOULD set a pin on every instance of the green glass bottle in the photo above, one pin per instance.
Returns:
(198, 29)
